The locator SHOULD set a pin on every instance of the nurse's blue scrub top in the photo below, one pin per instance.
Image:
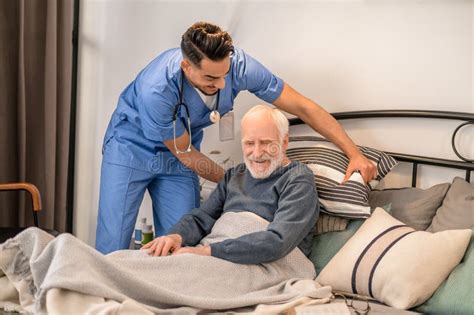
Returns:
(143, 118)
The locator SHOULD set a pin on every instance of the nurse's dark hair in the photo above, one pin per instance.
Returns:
(204, 39)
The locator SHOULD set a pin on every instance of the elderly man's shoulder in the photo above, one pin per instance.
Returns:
(301, 170)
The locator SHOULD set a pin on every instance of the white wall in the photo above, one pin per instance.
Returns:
(346, 55)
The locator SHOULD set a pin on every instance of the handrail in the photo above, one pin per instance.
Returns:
(32, 189)
(34, 193)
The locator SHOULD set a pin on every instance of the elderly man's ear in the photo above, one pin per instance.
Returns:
(285, 143)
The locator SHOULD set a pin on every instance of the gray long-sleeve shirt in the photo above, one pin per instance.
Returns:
(287, 199)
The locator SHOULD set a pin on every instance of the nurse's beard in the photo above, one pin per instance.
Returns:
(208, 94)
(201, 90)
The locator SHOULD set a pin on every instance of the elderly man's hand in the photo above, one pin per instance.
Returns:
(164, 245)
(198, 250)
(363, 165)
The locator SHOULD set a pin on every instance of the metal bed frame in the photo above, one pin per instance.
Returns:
(468, 119)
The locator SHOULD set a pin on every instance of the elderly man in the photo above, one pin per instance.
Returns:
(268, 184)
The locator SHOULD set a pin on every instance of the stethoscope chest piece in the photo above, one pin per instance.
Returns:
(214, 116)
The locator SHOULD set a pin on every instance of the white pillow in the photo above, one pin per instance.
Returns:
(393, 263)
(329, 165)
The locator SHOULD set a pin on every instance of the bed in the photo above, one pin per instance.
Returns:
(340, 255)
(444, 206)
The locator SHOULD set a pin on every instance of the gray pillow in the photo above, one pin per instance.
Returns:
(415, 207)
(457, 211)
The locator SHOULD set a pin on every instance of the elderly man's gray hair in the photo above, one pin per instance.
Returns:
(280, 120)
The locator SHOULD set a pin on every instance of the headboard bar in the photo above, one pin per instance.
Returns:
(432, 161)
(423, 160)
(395, 113)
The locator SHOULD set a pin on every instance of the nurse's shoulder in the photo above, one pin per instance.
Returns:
(162, 71)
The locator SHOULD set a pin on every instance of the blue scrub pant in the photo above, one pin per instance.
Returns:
(121, 193)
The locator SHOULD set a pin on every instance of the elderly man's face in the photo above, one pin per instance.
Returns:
(262, 148)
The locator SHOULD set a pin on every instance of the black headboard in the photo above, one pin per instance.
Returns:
(466, 118)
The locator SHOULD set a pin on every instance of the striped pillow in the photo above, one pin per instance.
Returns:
(329, 165)
(329, 223)
(391, 262)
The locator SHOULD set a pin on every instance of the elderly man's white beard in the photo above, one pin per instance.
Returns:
(274, 164)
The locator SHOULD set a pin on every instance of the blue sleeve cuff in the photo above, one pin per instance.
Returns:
(273, 92)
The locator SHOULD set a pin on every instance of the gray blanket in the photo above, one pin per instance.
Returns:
(35, 263)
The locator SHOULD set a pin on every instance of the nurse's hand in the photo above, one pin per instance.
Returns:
(198, 250)
(163, 245)
(361, 164)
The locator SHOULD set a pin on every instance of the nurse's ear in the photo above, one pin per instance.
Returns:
(188, 70)
(186, 65)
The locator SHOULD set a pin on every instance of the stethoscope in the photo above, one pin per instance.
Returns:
(214, 116)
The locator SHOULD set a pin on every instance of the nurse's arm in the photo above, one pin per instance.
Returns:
(321, 121)
(195, 160)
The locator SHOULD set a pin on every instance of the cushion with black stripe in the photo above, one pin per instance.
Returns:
(391, 262)
(329, 165)
(329, 223)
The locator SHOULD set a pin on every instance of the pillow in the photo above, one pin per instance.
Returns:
(457, 211)
(393, 263)
(415, 207)
(328, 223)
(456, 294)
(326, 245)
(329, 165)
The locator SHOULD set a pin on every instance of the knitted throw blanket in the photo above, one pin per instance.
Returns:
(34, 263)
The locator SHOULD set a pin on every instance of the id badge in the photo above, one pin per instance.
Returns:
(226, 127)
